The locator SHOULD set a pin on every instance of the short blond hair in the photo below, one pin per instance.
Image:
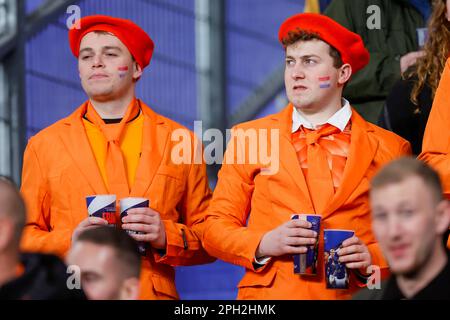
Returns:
(406, 167)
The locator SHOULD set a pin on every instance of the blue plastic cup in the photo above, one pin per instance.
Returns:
(336, 273)
(132, 203)
(306, 263)
(103, 206)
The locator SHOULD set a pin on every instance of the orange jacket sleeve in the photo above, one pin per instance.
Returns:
(226, 235)
(38, 235)
(184, 245)
(436, 142)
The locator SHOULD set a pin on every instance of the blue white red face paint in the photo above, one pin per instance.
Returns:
(123, 71)
(324, 82)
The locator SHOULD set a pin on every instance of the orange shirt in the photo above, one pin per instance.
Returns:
(336, 146)
(130, 145)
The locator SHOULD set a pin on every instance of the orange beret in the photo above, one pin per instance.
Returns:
(133, 37)
(349, 44)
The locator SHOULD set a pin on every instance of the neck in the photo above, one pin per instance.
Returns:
(115, 109)
(318, 116)
(410, 285)
(8, 265)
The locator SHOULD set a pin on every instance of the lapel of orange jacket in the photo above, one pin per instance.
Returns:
(288, 155)
(362, 152)
(77, 145)
(154, 144)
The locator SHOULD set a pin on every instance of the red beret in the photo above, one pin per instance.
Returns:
(349, 44)
(133, 37)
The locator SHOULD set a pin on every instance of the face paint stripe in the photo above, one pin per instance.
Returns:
(123, 71)
(324, 82)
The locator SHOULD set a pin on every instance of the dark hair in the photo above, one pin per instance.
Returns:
(302, 35)
(124, 246)
(406, 167)
(12, 205)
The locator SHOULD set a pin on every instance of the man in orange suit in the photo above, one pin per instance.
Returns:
(115, 144)
(327, 154)
(436, 141)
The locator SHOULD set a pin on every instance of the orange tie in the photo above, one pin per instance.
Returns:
(319, 176)
(115, 165)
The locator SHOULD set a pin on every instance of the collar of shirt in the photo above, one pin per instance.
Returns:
(340, 119)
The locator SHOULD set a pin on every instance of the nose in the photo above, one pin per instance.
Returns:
(97, 61)
(297, 72)
(394, 228)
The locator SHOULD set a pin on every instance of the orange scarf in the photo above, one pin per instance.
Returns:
(115, 165)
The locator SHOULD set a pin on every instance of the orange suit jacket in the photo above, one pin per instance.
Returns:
(436, 141)
(60, 170)
(246, 204)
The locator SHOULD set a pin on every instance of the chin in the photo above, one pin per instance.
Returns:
(402, 267)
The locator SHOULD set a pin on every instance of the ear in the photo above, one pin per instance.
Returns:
(137, 71)
(344, 73)
(130, 289)
(443, 217)
(6, 233)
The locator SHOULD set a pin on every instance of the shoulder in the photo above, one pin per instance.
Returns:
(48, 135)
(370, 294)
(388, 140)
(172, 125)
(267, 122)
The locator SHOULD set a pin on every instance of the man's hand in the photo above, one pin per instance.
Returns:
(292, 237)
(355, 254)
(88, 223)
(410, 59)
(149, 223)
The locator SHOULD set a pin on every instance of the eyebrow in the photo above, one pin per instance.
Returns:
(103, 48)
(306, 56)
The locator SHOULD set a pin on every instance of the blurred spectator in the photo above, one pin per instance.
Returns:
(389, 29)
(109, 262)
(409, 103)
(26, 276)
(410, 217)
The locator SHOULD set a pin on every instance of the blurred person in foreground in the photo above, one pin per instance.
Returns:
(411, 220)
(26, 276)
(109, 263)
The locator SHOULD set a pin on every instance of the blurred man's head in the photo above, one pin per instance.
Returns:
(109, 262)
(410, 215)
(12, 217)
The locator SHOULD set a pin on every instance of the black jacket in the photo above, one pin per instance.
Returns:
(437, 289)
(403, 117)
(44, 278)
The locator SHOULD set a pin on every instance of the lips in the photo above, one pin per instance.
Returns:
(299, 88)
(98, 76)
(398, 251)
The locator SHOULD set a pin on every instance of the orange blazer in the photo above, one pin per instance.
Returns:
(247, 203)
(436, 141)
(60, 170)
